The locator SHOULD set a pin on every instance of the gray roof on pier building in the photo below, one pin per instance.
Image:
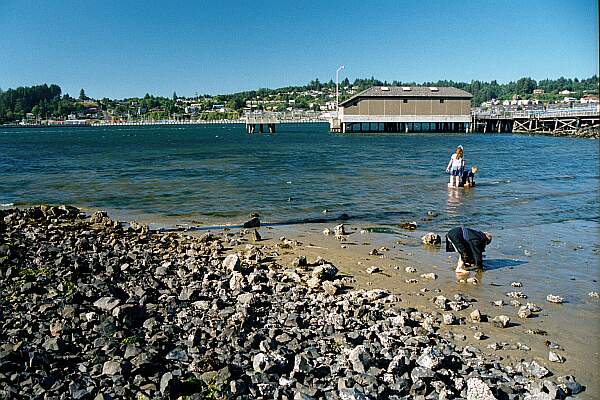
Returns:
(410, 91)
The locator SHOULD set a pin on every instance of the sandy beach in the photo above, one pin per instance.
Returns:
(555, 249)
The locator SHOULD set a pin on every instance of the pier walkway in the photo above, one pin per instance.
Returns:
(555, 121)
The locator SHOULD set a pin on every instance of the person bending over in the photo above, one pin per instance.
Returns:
(468, 177)
(469, 244)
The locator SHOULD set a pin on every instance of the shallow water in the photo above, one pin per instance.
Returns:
(218, 174)
(538, 195)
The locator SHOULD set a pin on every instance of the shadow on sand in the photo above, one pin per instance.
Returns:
(502, 263)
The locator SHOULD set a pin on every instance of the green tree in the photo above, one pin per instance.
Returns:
(82, 95)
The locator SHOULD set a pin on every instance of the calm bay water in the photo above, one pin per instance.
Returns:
(219, 174)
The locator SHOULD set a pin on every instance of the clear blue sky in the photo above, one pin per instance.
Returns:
(127, 48)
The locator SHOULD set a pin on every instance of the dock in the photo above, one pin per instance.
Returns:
(575, 121)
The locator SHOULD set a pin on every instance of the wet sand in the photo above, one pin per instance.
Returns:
(560, 259)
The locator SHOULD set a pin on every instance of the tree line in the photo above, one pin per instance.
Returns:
(47, 101)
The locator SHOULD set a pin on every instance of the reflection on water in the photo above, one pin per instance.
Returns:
(219, 174)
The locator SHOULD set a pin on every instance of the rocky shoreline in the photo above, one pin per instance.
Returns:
(92, 308)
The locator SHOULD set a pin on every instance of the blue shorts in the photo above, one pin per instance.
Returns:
(456, 172)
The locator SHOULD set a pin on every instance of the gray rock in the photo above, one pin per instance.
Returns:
(431, 358)
(237, 281)
(188, 294)
(111, 368)
(339, 230)
(246, 299)
(431, 239)
(177, 354)
(441, 302)
(476, 316)
(524, 312)
(449, 319)
(324, 272)
(53, 344)
(351, 394)
(570, 385)
(534, 369)
(501, 321)
(478, 390)
(419, 373)
(107, 303)
(330, 288)
(167, 383)
(261, 362)
(360, 359)
(232, 262)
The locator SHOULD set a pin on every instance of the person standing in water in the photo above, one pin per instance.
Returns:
(469, 244)
(455, 167)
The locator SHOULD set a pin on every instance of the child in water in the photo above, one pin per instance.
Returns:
(456, 167)
(468, 177)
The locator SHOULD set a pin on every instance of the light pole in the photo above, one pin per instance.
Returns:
(337, 88)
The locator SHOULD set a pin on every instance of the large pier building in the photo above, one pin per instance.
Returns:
(405, 109)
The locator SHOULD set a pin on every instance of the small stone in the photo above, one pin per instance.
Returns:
(449, 319)
(374, 252)
(554, 357)
(429, 275)
(327, 232)
(472, 280)
(533, 307)
(441, 302)
(111, 368)
(569, 384)
(373, 269)
(499, 303)
(555, 299)
(431, 239)
(300, 262)
(177, 355)
(232, 262)
(524, 312)
(360, 359)
(431, 358)
(351, 394)
(478, 390)
(478, 335)
(313, 282)
(476, 316)
(501, 321)
(261, 362)
(107, 303)
(516, 284)
(324, 271)
(411, 226)
(517, 295)
(411, 281)
(410, 270)
(246, 299)
(330, 288)
(534, 369)
(339, 230)
(594, 295)
(167, 383)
